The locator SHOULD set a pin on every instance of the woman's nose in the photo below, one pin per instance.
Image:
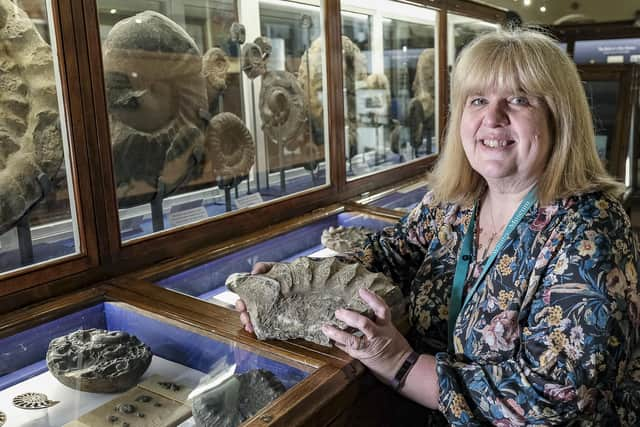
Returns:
(495, 115)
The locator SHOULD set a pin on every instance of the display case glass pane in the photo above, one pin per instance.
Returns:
(162, 377)
(390, 96)
(37, 208)
(207, 281)
(214, 106)
(402, 199)
(460, 31)
(612, 51)
(603, 101)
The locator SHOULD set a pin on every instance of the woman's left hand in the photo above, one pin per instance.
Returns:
(381, 347)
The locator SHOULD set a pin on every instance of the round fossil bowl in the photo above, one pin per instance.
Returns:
(97, 360)
(294, 300)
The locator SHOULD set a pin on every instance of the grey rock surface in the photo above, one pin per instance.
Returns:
(156, 92)
(31, 151)
(237, 399)
(294, 300)
(344, 239)
(97, 360)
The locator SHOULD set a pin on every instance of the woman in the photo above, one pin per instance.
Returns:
(519, 264)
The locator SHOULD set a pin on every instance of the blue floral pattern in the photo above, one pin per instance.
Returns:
(548, 336)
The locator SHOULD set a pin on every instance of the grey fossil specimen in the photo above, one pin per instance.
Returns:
(344, 239)
(237, 399)
(97, 360)
(294, 300)
(31, 150)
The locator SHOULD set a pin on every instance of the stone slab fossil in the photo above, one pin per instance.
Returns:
(237, 399)
(145, 405)
(31, 151)
(156, 91)
(294, 300)
(344, 239)
(97, 360)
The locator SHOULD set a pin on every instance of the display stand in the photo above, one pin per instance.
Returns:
(157, 217)
(227, 184)
(25, 244)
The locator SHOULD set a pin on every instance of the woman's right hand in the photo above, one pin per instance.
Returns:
(241, 307)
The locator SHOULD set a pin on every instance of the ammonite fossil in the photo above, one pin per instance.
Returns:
(31, 151)
(230, 147)
(294, 300)
(424, 81)
(155, 92)
(237, 32)
(3, 418)
(282, 108)
(33, 401)
(265, 46)
(97, 360)
(237, 399)
(215, 65)
(253, 63)
(344, 239)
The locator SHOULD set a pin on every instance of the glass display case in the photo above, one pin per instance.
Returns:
(38, 219)
(390, 91)
(213, 106)
(110, 363)
(206, 280)
(461, 30)
(402, 198)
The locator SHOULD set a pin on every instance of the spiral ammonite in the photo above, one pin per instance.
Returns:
(230, 147)
(32, 401)
(253, 63)
(3, 418)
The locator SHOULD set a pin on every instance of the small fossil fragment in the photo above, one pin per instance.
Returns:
(3, 418)
(33, 401)
(294, 300)
(344, 239)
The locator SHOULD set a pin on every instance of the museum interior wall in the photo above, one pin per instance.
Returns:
(152, 151)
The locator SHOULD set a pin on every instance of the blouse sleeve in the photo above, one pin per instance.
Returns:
(398, 251)
(574, 342)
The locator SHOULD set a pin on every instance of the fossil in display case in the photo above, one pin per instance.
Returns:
(3, 418)
(155, 92)
(415, 122)
(146, 405)
(236, 399)
(294, 300)
(253, 60)
(265, 46)
(237, 32)
(282, 108)
(344, 239)
(97, 360)
(231, 145)
(310, 71)
(31, 151)
(424, 81)
(215, 65)
(33, 401)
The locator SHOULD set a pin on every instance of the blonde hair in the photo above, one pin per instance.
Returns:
(526, 61)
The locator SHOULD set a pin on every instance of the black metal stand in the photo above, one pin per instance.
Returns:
(25, 245)
(157, 217)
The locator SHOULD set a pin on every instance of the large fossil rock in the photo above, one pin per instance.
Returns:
(155, 92)
(215, 65)
(294, 300)
(344, 239)
(282, 109)
(230, 146)
(97, 360)
(424, 81)
(237, 399)
(354, 65)
(31, 150)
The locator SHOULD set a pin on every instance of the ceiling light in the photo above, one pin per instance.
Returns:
(527, 2)
(113, 11)
(543, 9)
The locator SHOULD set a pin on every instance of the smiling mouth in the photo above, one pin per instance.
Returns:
(497, 143)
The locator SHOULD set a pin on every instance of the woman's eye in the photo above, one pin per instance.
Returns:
(477, 101)
(520, 100)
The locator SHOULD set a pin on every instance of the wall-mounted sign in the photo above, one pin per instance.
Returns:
(613, 51)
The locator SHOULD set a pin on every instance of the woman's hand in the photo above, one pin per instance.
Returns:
(380, 347)
(241, 307)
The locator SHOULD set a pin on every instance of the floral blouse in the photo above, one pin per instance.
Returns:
(548, 335)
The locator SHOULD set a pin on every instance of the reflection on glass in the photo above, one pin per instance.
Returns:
(603, 100)
(210, 112)
(192, 379)
(389, 84)
(37, 213)
(461, 30)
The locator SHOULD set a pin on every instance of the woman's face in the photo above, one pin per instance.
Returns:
(506, 137)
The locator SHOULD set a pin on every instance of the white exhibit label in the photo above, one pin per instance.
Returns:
(187, 216)
(249, 200)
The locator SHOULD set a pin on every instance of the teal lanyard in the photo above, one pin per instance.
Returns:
(464, 260)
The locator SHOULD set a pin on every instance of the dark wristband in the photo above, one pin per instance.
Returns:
(401, 376)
